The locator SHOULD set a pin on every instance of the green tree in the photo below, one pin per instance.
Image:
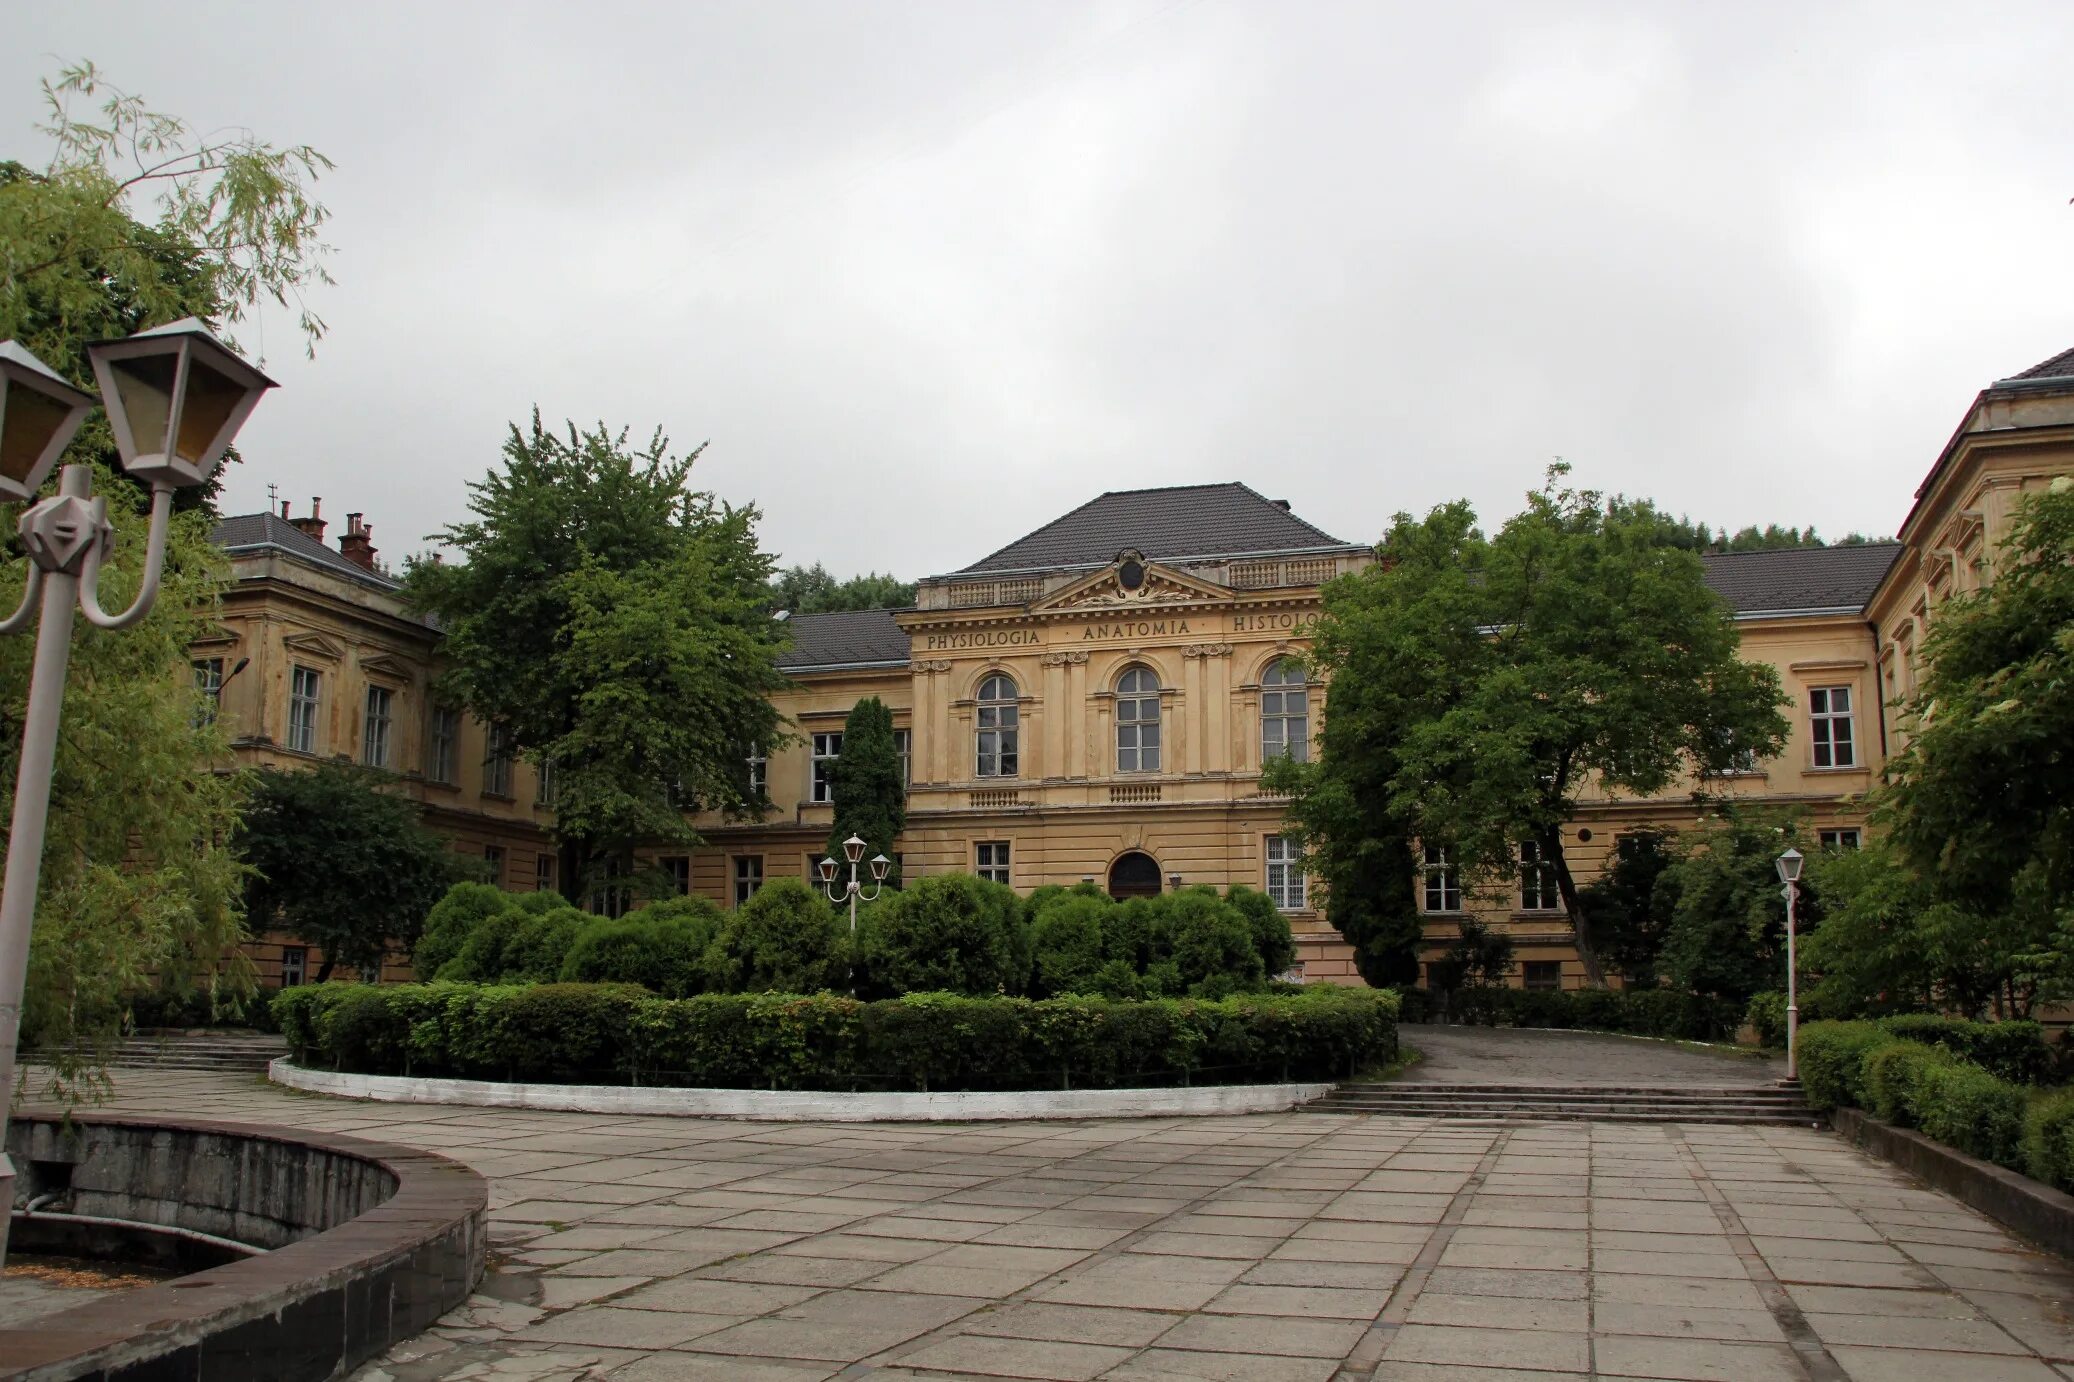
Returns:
(870, 797)
(1627, 915)
(133, 220)
(610, 621)
(341, 862)
(1727, 933)
(812, 590)
(1578, 648)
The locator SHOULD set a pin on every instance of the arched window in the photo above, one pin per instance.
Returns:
(1137, 721)
(1285, 713)
(998, 714)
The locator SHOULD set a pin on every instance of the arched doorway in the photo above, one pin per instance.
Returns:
(1134, 875)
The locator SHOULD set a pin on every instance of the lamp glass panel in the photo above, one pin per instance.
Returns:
(828, 870)
(212, 396)
(28, 420)
(145, 386)
(853, 848)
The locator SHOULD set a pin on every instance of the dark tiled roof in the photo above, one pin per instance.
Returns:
(1184, 521)
(2060, 366)
(1800, 578)
(241, 531)
(850, 638)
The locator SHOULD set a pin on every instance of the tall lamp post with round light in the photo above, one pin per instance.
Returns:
(1789, 874)
(853, 850)
(175, 397)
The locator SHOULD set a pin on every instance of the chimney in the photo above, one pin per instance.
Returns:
(357, 545)
(1282, 504)
(313, 526)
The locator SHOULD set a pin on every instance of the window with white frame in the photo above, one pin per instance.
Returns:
(1285, 713)
(610, 895)
(1836, 841)
(998, 721)
(1537, 880)
(990, 860)
(374, 732)
(677, 868)
(1284, 873)
(1137, 721)
(496, 764)
(759, 773)
(493, 859)
(444, 761)
(295, 965)
(305, 695)
(544, 782)
(904, 746)
(1740, 760)
(1441, 889)
(828, 746)
(208, 682)
(1541, 974)
(1829, 722)
(543, 873)
(748, 877)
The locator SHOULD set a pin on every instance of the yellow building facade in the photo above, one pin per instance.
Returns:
(1096, 700)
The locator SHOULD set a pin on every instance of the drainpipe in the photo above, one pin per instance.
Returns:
(1879, 692)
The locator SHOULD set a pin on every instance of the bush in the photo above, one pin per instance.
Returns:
(1210, 944)
(935, 1041)
(785, 939)
(1272, 939)
(1891, 1074)
(452, 920)
(662, 949)
(2014, 1051)
(2048, 1143)
(1066, 946)
(1963, 1106)
(951, 933)
(1832, 1056)
(1642, 1012)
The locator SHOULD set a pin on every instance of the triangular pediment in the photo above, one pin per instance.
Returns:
(1113, 587)
(382, 665)
(315, 644)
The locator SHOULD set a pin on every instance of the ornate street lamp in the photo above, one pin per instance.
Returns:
(175, 397)
(1789, 874)
(853, 850)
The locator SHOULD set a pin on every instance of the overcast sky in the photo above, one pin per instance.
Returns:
(927, 275)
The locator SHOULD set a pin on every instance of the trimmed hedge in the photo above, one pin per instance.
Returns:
(598, 1034)
(1937, 1090)
(1642, 1012)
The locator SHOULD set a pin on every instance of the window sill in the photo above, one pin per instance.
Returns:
(504, 797)
(1853, 768)
(1540, 914)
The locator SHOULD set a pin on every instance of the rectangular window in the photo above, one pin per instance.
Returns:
(374, 733)
(1537, 880)
(496, 764)
(828, 746)
(610, 896)
(544, 783)
(748, 877)
(678, 868)
(1541, 974)
(444, 760)
(759, 774)
(295, 961)
(493, 859)
(1442, 890)
(903, 744)
(543, 873)
(305, 694)
(990, 860)
(1837, 841)
(208, 683)
(1284, 874)
(1829, 719)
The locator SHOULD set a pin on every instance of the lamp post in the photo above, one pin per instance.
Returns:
(175, 397)
(853, 850)
(1789, 874)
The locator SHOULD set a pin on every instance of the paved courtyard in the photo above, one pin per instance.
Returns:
(1261, 1249)
(1506, 1055)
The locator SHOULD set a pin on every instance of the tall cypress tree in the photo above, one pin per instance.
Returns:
(870, 798)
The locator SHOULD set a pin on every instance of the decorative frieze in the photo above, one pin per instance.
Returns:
(1207, 650)
(1068, 657)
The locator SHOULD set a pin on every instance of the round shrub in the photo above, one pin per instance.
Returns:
(1272, 938)
(1963, 1106)
(1890, 1075)
(481, 957)
(951, 933)
(452, 920)
(1832, 1056)
(785, 939)
(535, 951)
(1066, 946)
(1211, 945)
(663, 951)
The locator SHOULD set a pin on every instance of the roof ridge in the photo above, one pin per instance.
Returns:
(1825, 547)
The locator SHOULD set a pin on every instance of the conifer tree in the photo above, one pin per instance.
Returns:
(870, 797)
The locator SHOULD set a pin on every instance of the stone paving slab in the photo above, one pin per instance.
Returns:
(1274, 1248)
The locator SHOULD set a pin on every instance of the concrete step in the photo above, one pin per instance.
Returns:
(1625, 1103)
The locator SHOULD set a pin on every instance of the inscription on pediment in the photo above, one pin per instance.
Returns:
(1131, 582)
